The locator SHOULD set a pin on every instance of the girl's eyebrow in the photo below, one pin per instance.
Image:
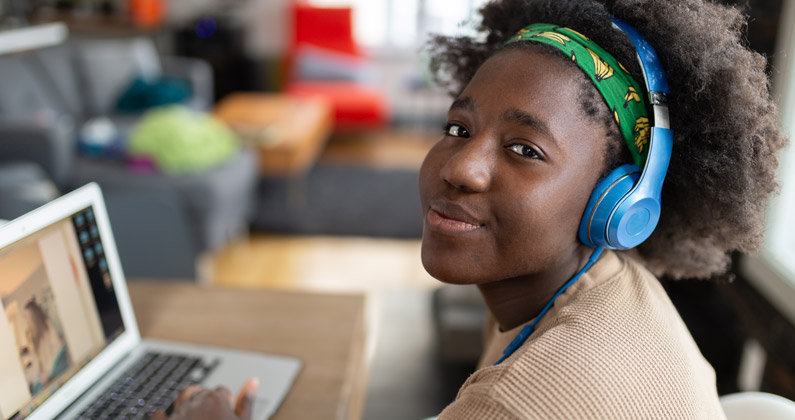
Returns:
(518, 116)
(465, 103)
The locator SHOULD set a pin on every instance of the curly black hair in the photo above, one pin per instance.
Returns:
(725, 123)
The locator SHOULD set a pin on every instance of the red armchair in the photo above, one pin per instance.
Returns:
(324, 60)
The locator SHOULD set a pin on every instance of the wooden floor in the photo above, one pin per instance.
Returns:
(322, 263)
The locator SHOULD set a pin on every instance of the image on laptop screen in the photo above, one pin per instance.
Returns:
(58, 310)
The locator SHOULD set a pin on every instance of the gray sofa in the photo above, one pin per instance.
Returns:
(47, 95)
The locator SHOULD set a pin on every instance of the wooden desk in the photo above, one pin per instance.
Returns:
(289, 132)
(327, 332)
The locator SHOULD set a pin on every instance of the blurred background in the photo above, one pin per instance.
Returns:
(276, 144)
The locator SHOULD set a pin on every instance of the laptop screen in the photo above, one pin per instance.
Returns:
(59, 308)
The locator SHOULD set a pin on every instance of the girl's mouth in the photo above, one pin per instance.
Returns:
(447, 224)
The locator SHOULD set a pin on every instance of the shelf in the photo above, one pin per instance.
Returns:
(32, 37)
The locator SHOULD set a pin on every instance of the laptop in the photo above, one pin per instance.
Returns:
(69, 343)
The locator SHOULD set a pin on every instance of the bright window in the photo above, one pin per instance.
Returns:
(772, 270)
(405, 23)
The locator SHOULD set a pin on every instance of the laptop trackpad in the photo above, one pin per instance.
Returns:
(233, 379)
(231, 368)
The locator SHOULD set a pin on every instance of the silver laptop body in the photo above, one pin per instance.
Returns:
(68, 331)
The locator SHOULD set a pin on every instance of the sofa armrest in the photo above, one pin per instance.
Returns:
(198, 73)
(152, 234)
(51, 145)
(24, 186)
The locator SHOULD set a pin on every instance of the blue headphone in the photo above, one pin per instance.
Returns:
(624, 208)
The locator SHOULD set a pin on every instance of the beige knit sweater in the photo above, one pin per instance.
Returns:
(612, 347)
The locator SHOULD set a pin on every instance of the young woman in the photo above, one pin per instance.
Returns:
(550, 100)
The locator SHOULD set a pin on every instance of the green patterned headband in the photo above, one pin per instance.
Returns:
(618, 88)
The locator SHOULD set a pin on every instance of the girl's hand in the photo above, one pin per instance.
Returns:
(195, 402)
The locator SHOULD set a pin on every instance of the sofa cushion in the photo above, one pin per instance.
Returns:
(21, 93)
(57, 71)
(312, 63)
(108, 67)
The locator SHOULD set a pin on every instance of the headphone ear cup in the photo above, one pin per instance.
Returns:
(604, 200)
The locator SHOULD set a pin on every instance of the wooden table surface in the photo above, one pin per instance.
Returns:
(328, 332)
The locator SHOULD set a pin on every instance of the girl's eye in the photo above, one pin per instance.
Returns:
(455, 130)
(524, 151)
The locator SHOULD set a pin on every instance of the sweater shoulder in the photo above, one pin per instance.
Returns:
(614, 350)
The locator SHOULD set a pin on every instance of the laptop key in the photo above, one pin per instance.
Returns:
(151, 383)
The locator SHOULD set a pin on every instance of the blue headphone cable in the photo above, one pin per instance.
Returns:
(528, 329)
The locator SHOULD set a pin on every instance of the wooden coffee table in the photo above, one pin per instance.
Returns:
(289, 132)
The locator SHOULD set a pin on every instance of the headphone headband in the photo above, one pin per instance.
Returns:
(625, 206)
(622, 93)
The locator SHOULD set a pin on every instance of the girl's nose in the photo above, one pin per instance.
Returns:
(469, 167)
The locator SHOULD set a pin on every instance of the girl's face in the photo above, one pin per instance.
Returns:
(504, 190)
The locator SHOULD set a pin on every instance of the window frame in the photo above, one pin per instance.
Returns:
(772, 269)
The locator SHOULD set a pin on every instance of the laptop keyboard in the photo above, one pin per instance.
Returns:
(150, 384)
